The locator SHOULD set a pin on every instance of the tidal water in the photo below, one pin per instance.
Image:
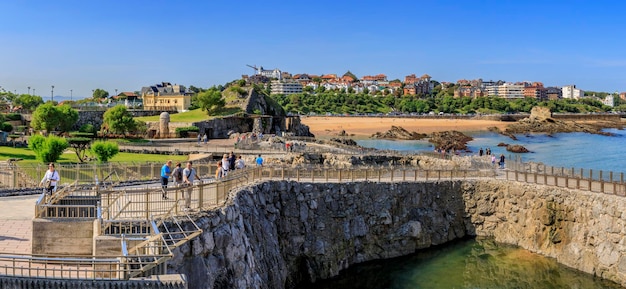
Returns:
(483, 263)
(569, 150)
(467, 264)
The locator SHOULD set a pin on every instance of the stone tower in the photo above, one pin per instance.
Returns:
(164, 125)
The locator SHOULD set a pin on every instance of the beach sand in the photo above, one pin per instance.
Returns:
(364, 127)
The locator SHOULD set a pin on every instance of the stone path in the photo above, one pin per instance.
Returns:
(16, 214)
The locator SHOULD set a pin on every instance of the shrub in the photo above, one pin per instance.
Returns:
(184, 131)
(47, 149)
(5, 126)
(87, 128)
(104, 150)
(14, 116)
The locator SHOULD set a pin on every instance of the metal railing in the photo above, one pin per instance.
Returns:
(572, 178)
(124, 211)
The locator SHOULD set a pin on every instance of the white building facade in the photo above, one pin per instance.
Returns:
(285, 87)
(570, 91)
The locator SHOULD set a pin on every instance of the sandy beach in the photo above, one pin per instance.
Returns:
(364, 127)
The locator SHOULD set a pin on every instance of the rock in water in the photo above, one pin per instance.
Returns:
(397, 132)
(516, 149)
(450, 140)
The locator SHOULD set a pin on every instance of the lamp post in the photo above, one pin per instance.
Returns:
(52, 94)
(116, 92)
(33, 91)
(71, 99)
(29, 90)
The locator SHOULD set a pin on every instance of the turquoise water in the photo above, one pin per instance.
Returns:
(468, 264)
(483, 263)
(577, 150)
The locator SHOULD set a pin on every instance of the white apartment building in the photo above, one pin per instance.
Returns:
(609, 100)
(570, 91)
(507, 90)
(286, 87)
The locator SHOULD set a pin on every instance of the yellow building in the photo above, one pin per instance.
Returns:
(166, 97)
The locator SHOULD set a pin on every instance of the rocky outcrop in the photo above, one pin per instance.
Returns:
(418, 161)
(397, 132)
(450, 140)
(540, 121)
(344, 141)
(516, 148)
(277, 234)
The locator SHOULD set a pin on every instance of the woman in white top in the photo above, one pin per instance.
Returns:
(50, 179)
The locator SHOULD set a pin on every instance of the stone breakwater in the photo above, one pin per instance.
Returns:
(278, 234)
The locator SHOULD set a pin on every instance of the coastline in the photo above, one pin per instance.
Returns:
(365, 127)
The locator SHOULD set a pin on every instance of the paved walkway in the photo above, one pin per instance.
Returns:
(16, 223)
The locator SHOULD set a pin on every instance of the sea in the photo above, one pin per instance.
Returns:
(569, 150)
(484, 263)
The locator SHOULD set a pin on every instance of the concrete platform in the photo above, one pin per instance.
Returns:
(16, 220)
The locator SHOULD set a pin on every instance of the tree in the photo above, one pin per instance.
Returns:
(211, 101)
(99, 94)
(49, 117)
(118, 120)
(105, 150)
(47, 149)
(28, 102)
(69, 117)
(46, 117)
(80, 145)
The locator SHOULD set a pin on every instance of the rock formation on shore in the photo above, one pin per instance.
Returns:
(517, 149)
(450, 140)
(541, 121)
(397, 132)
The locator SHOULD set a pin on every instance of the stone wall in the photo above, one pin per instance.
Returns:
(277, 234)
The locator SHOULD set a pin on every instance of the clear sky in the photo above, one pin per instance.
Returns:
(83, 45)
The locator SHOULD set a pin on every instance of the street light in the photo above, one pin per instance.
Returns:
(29, 90)
(71, 99)
(33, 91)
(52, 94)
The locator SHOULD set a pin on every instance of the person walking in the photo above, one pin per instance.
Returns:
(219, 171)
(189, 176)
(259, 161)
(205, 138)
(493, 160)
(480, 152)
(166, 172)
(501, 161)
(50, 179)
(240, 163)
(177, 176)
(225, 164)
(231, 161)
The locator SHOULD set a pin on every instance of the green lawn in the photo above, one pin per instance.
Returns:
(195, 115)
(69, 156)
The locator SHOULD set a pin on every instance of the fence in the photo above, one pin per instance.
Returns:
(124, 211)
(580, 179)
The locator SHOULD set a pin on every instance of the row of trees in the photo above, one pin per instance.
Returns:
(346, 103)
(49, 149)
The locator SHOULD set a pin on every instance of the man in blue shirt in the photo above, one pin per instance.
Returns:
(259, 161)
(165, 175)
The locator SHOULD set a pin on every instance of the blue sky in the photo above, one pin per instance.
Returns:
(124, 45)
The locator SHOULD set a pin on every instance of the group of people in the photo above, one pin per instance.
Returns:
(228, 163)
(202, 138)
(493, 157)
(181, 177)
